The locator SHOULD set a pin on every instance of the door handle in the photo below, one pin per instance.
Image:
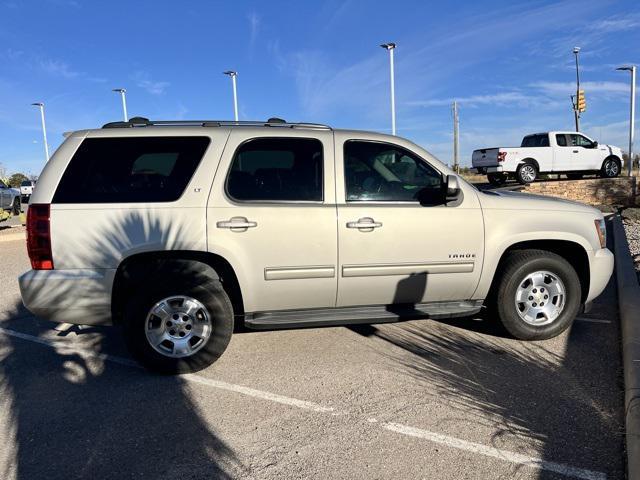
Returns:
(237, 224)
(365, 223)
(575, 151)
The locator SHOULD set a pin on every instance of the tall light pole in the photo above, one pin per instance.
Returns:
(576, 112)
(122, 93)
(233, 76)
(391, 47)
(40, 105)
(632, 114)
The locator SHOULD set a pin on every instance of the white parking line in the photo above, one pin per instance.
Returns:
(504, 455)
(453, 442)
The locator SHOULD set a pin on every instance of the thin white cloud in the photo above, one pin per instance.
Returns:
(567, 88)
(617, 24)
(153, 87)
(254, 27)
(58, 68)
(502, 99)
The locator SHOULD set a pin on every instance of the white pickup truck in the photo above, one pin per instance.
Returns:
(571, 153)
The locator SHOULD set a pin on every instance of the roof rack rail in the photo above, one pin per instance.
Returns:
(272, 122)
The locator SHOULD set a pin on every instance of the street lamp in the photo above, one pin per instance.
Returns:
(632, 114)
(40, 105)
(391, 47)
(122, 93)
(233, 76)
(576, 112)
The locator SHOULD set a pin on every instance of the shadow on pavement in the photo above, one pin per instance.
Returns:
(566, 404)
(75, 416)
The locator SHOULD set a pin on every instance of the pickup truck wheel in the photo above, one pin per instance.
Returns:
(610, 168)
(526, 173)
(497, 179)
(179, 326)
(16, 207)
(538, 294)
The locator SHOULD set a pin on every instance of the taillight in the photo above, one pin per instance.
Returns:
(39, 237)
(502, 156)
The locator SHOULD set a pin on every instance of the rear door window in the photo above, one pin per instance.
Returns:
(130, 169)
(561, 140)
(277, 169)
(535, 141)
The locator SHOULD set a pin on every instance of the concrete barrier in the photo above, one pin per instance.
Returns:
(629, 307)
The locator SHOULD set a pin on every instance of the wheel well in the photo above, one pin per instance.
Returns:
(615, 157)
(572, 252)
(135, 269)
(531, 160)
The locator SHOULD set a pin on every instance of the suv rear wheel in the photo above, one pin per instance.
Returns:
(538, 294)
(526, 173)
(179, 325)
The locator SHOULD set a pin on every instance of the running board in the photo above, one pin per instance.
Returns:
(324, 317)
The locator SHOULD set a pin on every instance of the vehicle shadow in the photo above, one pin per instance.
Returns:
(76, 412)
(76, 415)
(565, 407)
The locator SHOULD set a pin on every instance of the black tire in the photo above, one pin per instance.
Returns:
(526, 173)
(204, 288)
(575, 176)
(610, 167)
(16, 207)
(497, 179)
(514, 269)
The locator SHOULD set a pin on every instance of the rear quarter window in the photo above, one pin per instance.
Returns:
(130, 169)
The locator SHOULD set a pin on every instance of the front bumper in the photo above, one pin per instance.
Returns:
(71, 296)
(601, 268)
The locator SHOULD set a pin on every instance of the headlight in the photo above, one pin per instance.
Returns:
(601, 228)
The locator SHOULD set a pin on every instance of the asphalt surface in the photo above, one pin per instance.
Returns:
(421, 399)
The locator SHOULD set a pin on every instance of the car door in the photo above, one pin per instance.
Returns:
(272, 216)
(393, 249)
(583, 154)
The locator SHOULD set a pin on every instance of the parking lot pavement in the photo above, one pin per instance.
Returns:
(421, 399)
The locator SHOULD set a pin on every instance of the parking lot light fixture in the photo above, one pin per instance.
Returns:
(391, 47)
(122, 93)
(40, 105)
(632, 112)
(576, 52)
(233, 75)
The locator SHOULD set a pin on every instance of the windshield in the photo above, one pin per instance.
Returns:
(26, 183)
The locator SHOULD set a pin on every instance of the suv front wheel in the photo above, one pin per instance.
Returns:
(538, 294)
(179, 325)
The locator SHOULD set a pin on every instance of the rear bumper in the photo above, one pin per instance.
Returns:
(70, 296)
(494, 169)
(601, 268)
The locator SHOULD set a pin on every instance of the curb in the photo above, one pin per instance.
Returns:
(629, 308)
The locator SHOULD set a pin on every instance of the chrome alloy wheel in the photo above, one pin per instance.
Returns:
(528, 173)
(540, 298)
(611, 168)
(178, 326)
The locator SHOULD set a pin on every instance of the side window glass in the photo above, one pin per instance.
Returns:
(383, 172)
(277, 169)
(573, 139)
(544, 140)
(561, 140)
(584, 142)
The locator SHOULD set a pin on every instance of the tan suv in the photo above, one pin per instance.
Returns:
(179, 231)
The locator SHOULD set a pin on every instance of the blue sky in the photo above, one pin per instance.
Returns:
(509, 64)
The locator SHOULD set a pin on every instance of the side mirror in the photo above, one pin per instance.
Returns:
(595, 144)
(453, 189)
